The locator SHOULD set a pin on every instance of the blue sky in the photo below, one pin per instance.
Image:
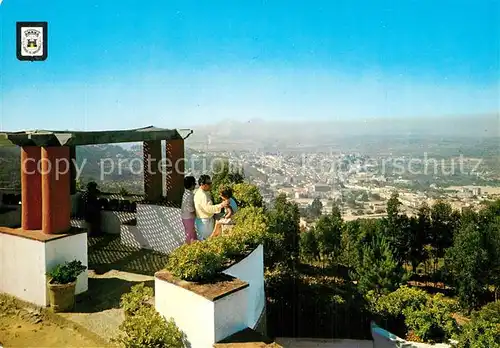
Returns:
(121, 64)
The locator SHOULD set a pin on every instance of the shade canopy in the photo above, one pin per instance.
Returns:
(78, 138)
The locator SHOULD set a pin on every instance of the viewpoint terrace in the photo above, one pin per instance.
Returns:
(46, 201)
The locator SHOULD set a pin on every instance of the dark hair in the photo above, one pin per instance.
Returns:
(204, 179)
(189, 182)
(226, 192)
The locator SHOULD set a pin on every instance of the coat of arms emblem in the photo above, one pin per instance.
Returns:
(32, 40)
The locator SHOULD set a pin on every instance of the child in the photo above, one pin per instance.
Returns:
(227, 195)
(187, 209)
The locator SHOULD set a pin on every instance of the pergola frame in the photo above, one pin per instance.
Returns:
(46, 195)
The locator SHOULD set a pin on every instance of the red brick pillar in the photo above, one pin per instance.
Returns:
(56, 200)
(31, 188)
(175, 172)
(72, 157)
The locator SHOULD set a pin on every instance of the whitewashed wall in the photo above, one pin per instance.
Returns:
(251, 270)
(158, 228)
(111, 221)
(230, 314)
(24, 263)
(68, 249)
(206, 322)
(192, 313)
(22, 268)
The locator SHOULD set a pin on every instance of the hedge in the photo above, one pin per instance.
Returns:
(203, 261)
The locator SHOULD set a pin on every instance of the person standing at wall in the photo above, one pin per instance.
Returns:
(205, 209)
(187, 208)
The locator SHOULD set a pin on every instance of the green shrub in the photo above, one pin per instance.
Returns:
(202, 261)
(196, 262)
(479, 334)
(483, 330)
(489, 312)
(66, 273)
(143, 326)
(138, 297)
(251, 226)
(394, 303)
(247, 195)
(228, 247)
(428, 316)
(432, 322)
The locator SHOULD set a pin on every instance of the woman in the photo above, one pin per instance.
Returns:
(188, 210)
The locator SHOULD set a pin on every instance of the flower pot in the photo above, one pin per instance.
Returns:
(62, 296)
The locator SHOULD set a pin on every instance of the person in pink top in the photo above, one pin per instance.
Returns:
(188, 210)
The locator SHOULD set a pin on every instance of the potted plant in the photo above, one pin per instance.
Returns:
(61, 285)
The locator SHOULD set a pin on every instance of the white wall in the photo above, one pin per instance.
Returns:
(130, 236)
(24, 263)
(206, 322)
(192, 313)
(68, 249)
(158, 228)
(22, 268)
(111, 221)
(230, 314)
(251, 270)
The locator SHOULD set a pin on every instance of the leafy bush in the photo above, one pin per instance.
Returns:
(429, 317)
(279, 276)
(478, 334)
(251, 226)
(66, 273)
(228, 248)
(247, 195)
(202, 261)
(394, 303)
(196, 261)
(138, 297)
(432, 322)
(144, 326)
(490, 312)
(483, 330)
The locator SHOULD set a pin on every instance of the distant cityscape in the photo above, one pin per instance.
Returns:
(358, 184)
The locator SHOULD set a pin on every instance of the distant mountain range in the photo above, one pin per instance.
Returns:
(259, 133)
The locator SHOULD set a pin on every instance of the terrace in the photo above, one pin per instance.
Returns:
(45, 228)
(52, 148)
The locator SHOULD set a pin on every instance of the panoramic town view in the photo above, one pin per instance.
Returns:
(194, 174)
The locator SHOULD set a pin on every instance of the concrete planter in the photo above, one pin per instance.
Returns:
(62, 296)
(209, 313)
(32, 254)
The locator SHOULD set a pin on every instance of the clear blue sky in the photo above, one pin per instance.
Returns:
(120, 64)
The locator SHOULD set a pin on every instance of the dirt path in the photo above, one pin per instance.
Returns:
(22, 325)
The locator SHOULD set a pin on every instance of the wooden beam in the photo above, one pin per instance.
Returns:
(69, 138)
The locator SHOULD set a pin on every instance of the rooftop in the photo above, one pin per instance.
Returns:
(78, 138)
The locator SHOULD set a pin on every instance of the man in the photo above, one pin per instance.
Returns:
(93, 209)
(205, 209)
